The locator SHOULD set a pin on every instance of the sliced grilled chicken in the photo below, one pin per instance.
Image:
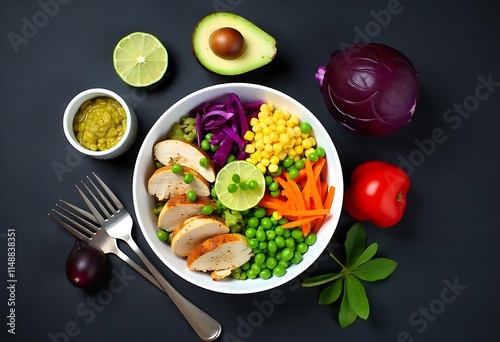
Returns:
(218, 275)
(182, 152)
(164, 183)
(221, 252)
(178, 208)
(194, 231)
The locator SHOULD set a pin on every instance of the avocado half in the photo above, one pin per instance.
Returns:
(260, 46)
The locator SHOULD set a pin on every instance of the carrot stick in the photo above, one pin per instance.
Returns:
(312, 212)
(299, 222)
(329, 197)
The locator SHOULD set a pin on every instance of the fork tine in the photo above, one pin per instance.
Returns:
(93, 209)
(82, 212)
(69, 228)
(110, 193)
(105, 200)
(90, 226)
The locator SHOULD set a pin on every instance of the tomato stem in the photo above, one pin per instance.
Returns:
(399, 197)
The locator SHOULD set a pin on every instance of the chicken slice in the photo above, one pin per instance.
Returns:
(221, 252)
(218, 275)
(164, 183)
(194, 231)
(172, 151)
(178, 208)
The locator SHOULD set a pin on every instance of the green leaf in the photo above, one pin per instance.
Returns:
(357, 297)
(320, 280)
(331, 293)
(368, 253)
(347, 316)
(354, 243)
(375, 269)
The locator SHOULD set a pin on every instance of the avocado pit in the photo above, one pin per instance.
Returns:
(227, 43)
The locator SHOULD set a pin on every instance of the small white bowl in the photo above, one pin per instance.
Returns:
(145, 203)
(74, 106)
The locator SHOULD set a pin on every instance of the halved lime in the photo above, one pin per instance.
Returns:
(140, 59)
(240, 199)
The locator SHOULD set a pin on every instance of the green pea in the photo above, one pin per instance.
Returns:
(260, 258)
(213, 193)
(280, 242)
(208, 136)
(203, 162)
(265, 274)
(278, 230)
(214, 148)
(300, 164)
(245, 212)
(269, 180)
(275, 193)
(296, 234)
(158, 164)
(284, 263)
(243, 185)
(205, 145)
(271, 263)
(270, 234)
(236, 178)
(279, 256)
(251, 274)
(243, 276)
(259, 212)
(162, 235)
(272, 247)
(313, 156)
(279, 271)
(191, 195)
(287, 162)
(273, 186)
(277, 172)
(293, 173)
(255, 268)
(287, 253)
(320, 151)
(253, 184)
(207, 210)
(289, 242)
(253, 243)
(218, 209)
(230, 158)
(310, 239)
(266, 223)
(282, 221)
(260, 234)
(302, 248)
(246, 266)
(177, 168)
(250, 233)
(232, 188)
(297, 258)
(262, 245)
(286, 233)
(188, 178)
(253, 222)
(305, 128)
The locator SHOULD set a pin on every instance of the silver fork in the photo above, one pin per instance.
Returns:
(118, 223)
(86, 229)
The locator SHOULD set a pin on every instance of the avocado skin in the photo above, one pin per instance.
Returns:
(260, 46)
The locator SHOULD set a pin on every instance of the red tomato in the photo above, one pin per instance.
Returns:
(377, 193)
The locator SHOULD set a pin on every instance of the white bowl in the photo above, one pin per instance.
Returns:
(144, 203)
(74, 106)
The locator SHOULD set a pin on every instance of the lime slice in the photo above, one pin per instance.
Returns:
(140, 59)
(239, 199)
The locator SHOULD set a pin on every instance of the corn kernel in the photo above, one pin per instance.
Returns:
(273, 168)
(250, 160)
(282, 155)
(284, 139)
(289, 123)
(280, 128)
(297, 157)
(265, 162)
(277, 216)
(249, 148)
(309, 150)
(274, 136)
(270, 107)
(259, 145)
(256, 157)
(299, 149)
(304, 135)
(265, 154)
(313, 141)
(306, 144)
(277, 115)
(266, 131)
(261, 167)
(256, 128)
(258, 136)
(249, 135)
(294, 119)
(297, 132)
(264, 113)
(274, 160)
(268, 121)
(266, 139)
(254, 121)
(268, 148)
(277, 148)
(291, 152)
(298, 141)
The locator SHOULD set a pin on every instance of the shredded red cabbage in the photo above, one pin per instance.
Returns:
(228, 123)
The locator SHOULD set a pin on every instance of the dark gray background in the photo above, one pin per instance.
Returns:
(448, 233)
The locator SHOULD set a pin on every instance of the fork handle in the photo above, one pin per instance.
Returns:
(138, 268)
(207, 328)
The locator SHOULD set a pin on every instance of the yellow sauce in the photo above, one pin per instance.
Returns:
(100, 123)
